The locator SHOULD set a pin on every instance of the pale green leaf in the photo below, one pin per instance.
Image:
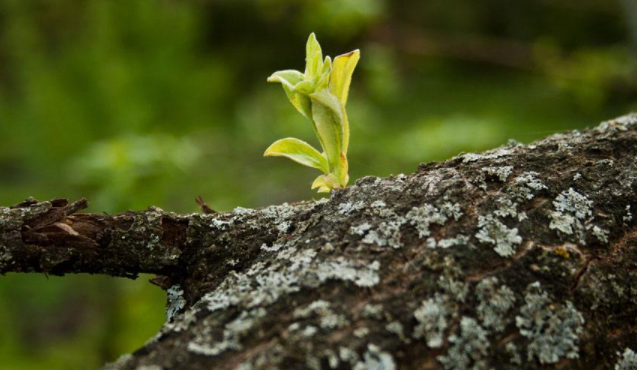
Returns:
(345, 132)
(298, 151)
(327, 115)
(304, 87)
(320, 94)
(324, 80)
(324, 183)
(343, 176)
(328, 100)
(327, 65)
(341, 77)
(323, 189)
(291, 80)
(288, 77)
(313, 57)
(319, 182)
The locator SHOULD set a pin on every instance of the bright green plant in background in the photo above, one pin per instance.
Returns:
(320, 95)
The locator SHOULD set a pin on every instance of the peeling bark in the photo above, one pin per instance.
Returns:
(523, 257)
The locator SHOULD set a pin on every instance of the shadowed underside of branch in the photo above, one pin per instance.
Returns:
(524, 257)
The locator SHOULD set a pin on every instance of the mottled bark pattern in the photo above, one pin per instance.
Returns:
(524, 257)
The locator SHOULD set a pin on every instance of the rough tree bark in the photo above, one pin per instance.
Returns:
(524, 257)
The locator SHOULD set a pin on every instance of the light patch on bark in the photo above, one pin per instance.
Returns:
(552, 329)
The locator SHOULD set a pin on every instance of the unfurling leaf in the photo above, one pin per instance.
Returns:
(342, 70)
(288, 77)
(325, 183)
(313, 58)
(328, 117)
(340, 79)
(320, 94)
(292, 82)
(298, 151)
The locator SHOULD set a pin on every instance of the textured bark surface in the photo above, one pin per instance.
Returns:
(524, 257)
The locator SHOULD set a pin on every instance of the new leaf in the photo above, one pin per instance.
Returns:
(298, 151)
(320, 94)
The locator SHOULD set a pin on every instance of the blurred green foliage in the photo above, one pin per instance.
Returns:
(152, 102)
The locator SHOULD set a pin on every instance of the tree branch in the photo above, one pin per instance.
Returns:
(523, 257)
(50, 237)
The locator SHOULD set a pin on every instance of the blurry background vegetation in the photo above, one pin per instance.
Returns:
(152, 102)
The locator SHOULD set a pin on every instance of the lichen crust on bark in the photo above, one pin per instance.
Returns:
(523, 257)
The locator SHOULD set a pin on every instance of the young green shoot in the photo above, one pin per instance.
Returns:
(320, 95)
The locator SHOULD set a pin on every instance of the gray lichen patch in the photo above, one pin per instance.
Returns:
(434, 314)
(501, 173)
(241, 211)
(628, 360)
(387, 233)
(600, 234)
(422, 217)
(552, 329)
(432, 321)
(572, 211)
(504, 239)
(628, 120)
(458, 240)
(12, 219)
(280, 216)
(348, 355)
(494, 303)
(425, 216)
(360, 229)
(507, 207)
(396, 327)
(144, 238)
(180, 323)
(379, 205)
(468, 349)
(489, 155)
(148, 224)
(512, 351)
(328, 318)
(523, 188)
(344, 270)
(622, 123)
(176, 301)
(457, 290)
(574, 203)
(284, 226)
(205, 344)
(375, 359)
(373, 311)
(278, 212)
(349, 207)
(292, 270)
(274, 248)
(361, 332)
(629, 215)
(431, 181)
(394, 184)
(306, 332)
